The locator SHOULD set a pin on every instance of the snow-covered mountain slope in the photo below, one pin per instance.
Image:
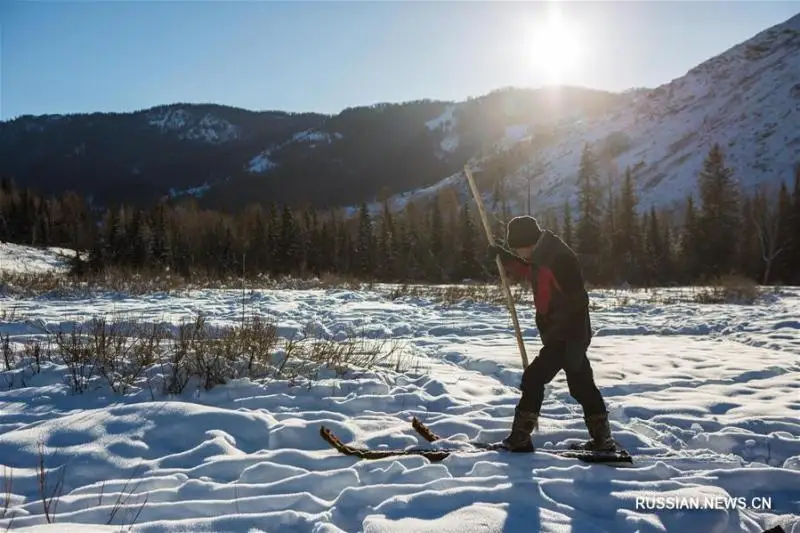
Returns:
(261, 163)
(747, 99)
(191, 125)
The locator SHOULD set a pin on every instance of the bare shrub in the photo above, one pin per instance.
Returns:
(75, 350)
(8, 353)
(121, 502)
(8, 479)
(129, 354)
(49, 495)
(123, 351)
(34, 355)
(32, 284)
(8, 315)
(256, 339)
(308, 354)
(176, 364)
(127, 280)
(732, 289)
(245, 350)
(207, 358)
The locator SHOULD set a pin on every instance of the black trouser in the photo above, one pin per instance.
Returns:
(552, 358)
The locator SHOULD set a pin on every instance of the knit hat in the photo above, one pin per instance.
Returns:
(522, 231)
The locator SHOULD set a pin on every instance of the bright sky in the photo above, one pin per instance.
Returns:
(62, 57)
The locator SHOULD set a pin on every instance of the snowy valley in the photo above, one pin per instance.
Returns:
(174, 374)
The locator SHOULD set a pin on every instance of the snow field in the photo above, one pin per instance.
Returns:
(20, 259)
(708, 395)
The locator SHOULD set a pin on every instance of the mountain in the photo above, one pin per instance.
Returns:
(246, 156)
(746, 99)
(138, 157)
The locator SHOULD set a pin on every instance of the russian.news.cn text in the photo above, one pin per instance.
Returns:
(719, 503)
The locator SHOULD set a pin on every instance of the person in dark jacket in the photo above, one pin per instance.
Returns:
(542, 259)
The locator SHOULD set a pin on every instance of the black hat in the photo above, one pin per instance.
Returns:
(522, 231)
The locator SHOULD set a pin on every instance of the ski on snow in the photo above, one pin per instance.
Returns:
(438, 454)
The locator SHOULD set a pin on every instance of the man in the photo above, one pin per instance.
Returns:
(562, 317)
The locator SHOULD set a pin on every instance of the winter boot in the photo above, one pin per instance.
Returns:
(600, 433)
(520, 438)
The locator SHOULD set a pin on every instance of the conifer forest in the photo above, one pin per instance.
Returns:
(720, 230)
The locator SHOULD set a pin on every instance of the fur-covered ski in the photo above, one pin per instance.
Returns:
(436, 454)
(574, 452)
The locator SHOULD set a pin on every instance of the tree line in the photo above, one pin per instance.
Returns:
(721, 229)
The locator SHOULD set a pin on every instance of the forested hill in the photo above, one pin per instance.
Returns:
(244, 156)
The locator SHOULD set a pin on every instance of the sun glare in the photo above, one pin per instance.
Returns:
(554, 47)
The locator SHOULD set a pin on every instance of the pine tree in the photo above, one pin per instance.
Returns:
(719, 219)
(795, 227)
(566, 235)
(314, 254)
(42, 224)
(342, 245)
(689, 253)
(435, 247)
(258, 248)
(467, 256)
(162, 249)
(276, 262)
(412, 245)
(139, 249)
(627, 235)
(749, 249)
(365, 248)
(402, 247)
(588, 231)
(667, 268)
(117, 236)
(609, 260)
(143, 238)
(783, 264)
(386, 244)
(549, 220)
(288, 252)
(653, 249)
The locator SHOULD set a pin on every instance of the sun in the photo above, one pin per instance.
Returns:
(554, 47)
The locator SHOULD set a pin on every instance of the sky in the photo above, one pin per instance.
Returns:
(117, 56)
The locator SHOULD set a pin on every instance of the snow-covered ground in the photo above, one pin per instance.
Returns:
(20, 259)
(707, 395)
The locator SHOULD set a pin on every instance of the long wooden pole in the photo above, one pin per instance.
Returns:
(509, 298)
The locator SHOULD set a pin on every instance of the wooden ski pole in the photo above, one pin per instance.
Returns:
(509, 298)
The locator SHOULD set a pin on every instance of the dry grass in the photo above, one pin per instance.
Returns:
(731, 289)
(129, 281)
(449, 295)
(50, 482)
(8, 483)
(50, 494)
(726, 289)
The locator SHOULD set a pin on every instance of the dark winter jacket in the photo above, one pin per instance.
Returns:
(560, 297)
